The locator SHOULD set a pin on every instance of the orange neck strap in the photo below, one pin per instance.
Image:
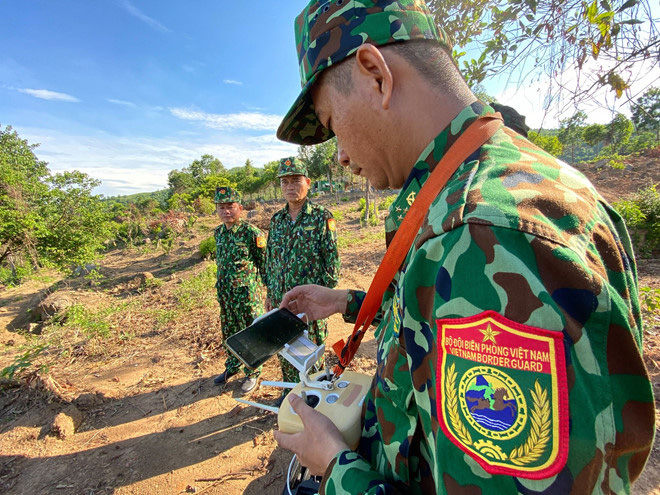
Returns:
(475, 136)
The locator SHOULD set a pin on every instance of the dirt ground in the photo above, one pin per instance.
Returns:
(153, 422)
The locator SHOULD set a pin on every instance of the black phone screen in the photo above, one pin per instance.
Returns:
(266, 337)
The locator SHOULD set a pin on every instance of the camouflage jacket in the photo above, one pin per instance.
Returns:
(509, 356)
(303, 251)
(240, 256)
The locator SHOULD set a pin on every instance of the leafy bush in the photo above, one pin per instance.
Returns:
(642, 215)
(207, 248)
(387, 202)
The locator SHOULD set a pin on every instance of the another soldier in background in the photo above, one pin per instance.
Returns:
(240, 256)
(302, 247)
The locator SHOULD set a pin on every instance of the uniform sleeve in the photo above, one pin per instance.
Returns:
(329, 252)
(531, 281)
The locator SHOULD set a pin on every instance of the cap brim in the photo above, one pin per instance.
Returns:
(301, 125)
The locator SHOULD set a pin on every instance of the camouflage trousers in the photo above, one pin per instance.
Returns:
(318, 332)
(237, 311)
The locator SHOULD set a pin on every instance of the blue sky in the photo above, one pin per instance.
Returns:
(127, 90)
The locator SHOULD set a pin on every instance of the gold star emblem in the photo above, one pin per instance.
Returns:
(490, 334)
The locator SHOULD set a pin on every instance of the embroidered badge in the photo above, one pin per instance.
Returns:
(502, 394)
(332, 224)
(411, 198)
(261, 241)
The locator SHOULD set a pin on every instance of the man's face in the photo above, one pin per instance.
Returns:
(351, 116)
(229, 213)
(294, 187)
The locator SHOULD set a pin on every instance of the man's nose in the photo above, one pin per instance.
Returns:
(342, 157)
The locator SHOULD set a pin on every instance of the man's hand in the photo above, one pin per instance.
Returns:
(268, 304)
(319, 441)
(315, 301)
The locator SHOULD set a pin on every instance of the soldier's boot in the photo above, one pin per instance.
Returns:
(222, 378)
(248, 384)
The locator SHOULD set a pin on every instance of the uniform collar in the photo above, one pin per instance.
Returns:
(234, 227)
(427, 162)
(306, 208)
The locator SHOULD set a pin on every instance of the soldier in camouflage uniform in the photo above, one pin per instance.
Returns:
(302, 248)
(509, 350)
(240, 255)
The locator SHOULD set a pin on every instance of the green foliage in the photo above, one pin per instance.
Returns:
(646, 112)
(321, 160)
(91, 323)
(44, 218)
(348, 239)
(207, 248)
(387, 202)
(23, 361)
(179, 202)
(594, 134)
(545, 38)
(203, 206)
(548, 143)
(198, 291)
(619, 131)
(642, 215)
(570, 132)
(339, 216)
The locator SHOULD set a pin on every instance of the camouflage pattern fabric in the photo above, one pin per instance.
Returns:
(300, 252)
(328, 31)
(509, 356)
(291, 166)
(240, 258)
(224, 194)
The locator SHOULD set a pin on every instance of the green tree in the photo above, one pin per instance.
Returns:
(321, 159)
(550, 144)
(646, 112)
(47, 218)
(180, 181)
(75, 222)
(595, 135)
(205, 166)
(22, 185)
(619, 132)
(546, 38)
(570, 132)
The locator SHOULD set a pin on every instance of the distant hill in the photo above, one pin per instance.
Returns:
(159, 196)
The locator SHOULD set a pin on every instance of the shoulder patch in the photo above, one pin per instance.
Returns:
(332, 224)
(502, 396)
(261, 241)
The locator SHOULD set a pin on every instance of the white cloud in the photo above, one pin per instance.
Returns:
(134, 11)
(45, 94)
(232, 81)
(127, 165)
(245, 120)
(121, 102)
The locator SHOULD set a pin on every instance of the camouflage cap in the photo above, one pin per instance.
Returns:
(226, 194)
(291, 166)
(328, 31)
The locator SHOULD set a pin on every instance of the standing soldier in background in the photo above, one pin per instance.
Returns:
(240, 255)
(302, 248)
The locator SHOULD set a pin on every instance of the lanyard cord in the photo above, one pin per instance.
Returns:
(475, 136)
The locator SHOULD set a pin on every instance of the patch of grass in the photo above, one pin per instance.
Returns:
(352, 238)
(163, 316)
(199, 290)
(23, 361)
(339, 216)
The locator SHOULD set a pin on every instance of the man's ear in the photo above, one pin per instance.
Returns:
(371, 64)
